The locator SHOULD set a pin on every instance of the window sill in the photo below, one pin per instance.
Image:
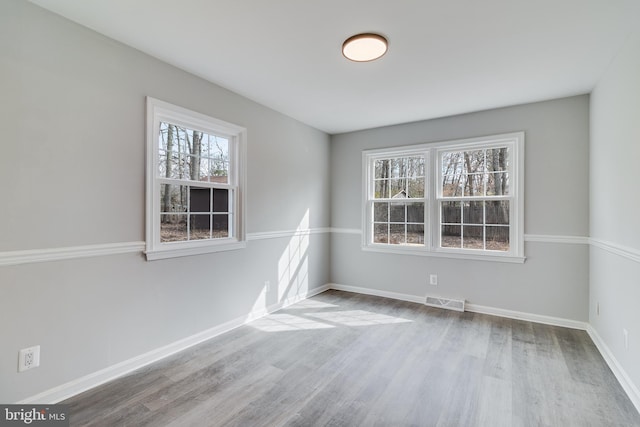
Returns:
(175, 252)
(400, 250)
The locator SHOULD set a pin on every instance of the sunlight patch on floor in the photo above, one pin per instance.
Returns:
(309, 303)
(280, 322)
(287, 322)
(357, 318)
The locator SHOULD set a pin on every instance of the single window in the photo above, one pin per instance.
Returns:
(195, 181)
(456, 198)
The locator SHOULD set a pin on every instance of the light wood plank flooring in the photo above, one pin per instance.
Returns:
(343, 359)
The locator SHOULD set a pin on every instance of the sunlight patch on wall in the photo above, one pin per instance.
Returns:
(293, 265)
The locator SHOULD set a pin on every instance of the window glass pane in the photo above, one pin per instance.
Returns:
(451, 212)
(397, 234)
(498, 184)
(168, 139)
(415, 212)
(219, 171)
(497, 159)
(381, 190)
(415, 234)
(497, 212)
(452, 185)
(452, 163)
(415, 167)
(381, 169)
(498, 238)
(473, 212)
(473, 237)
(219, 159)
(171, 166)
(451, 236)
(453, 174)
(397, 168)
(199, 199)
(415, 187)
(203, 173)
(397, 188)
(220, 225)
(381, 233)
(200, 226)
(381, 212)
(195, 168)
(220, 200)
(474, 161)
(173, 227)
(397, 212)
(162, 164)
(179, 140)
(474, 185)
(173, 198)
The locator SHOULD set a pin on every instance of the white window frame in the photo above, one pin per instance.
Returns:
(433, 194)
(160, 111)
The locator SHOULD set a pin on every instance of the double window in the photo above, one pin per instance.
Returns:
(456, 198)
(194, 182)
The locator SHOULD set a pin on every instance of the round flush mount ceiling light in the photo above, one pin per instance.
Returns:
(364, 47)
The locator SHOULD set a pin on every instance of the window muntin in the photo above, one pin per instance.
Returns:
(469, 195)
(194, 182)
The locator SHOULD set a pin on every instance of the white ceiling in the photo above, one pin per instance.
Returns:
(445, 56)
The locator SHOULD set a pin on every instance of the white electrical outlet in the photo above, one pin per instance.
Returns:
(433, 279)
(625, 334)
(267, 285)
(28, 358)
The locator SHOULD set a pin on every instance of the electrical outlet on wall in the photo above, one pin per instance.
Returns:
(433, 279)
(28, 358)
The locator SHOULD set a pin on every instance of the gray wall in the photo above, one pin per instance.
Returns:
(554, 279)
(615, 204)
(72, 168)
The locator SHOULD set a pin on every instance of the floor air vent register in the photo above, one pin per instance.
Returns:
(449, 304)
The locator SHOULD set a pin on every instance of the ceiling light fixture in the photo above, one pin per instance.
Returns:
(364, 47)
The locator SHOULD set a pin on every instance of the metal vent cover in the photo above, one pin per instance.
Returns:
(449, 304)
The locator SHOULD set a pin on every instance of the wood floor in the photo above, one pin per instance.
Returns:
(342, 359)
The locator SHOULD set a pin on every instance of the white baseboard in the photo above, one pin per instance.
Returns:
(530, 317)
(629, 387)
(376, 292)
(547, 320)
(77, 386)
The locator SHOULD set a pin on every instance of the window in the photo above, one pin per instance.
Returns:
(455, 199)
(195, 182)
